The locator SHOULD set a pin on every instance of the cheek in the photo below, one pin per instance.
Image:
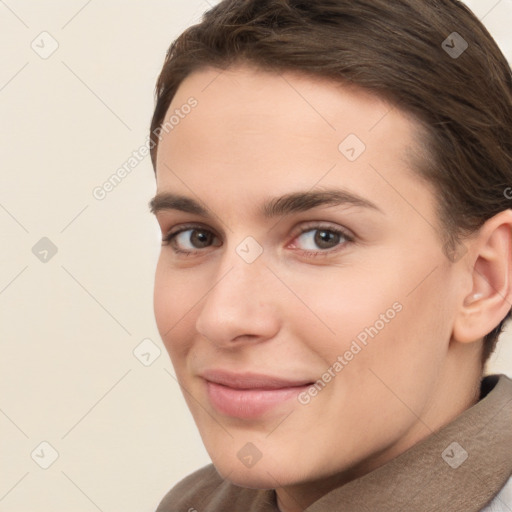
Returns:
(339, 306)
(384, 319)
(403, 350)
(163, 300)
(173, 302)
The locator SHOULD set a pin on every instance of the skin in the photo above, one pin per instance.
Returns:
(255, 136)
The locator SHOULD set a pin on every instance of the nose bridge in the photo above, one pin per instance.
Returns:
(240, 276)
(238, 302)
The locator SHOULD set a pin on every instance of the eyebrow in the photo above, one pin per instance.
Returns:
(278, 206)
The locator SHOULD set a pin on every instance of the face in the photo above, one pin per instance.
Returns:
(298, 290)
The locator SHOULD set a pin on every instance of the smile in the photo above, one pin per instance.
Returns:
(249, 396)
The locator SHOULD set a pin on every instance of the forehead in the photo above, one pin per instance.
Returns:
(267, 133)
(246, 101)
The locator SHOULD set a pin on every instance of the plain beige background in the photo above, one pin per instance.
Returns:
(83, 370)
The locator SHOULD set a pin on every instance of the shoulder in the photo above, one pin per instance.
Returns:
(192, 489)
(502, 502)
(206, 491)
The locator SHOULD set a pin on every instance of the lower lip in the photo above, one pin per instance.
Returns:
(249, 403)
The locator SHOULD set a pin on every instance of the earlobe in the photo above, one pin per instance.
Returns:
(490, 298)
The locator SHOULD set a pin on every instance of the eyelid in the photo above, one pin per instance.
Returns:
(327, 226)
(349, 237)
(171, 233)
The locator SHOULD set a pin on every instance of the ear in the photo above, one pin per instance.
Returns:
(490, 273)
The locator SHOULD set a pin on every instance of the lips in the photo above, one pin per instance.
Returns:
(250, 395)
(251, 380)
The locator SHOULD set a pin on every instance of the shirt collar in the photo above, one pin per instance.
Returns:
(460, 468)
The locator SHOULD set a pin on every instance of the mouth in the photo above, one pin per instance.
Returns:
(250, 395)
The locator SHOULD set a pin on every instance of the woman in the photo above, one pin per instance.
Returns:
(335, 270)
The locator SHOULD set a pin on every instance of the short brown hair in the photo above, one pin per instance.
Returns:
(400, 51)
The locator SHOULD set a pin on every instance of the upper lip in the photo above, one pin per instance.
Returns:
(249, 380)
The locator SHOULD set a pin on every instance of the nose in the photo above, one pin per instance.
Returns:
(241, 303)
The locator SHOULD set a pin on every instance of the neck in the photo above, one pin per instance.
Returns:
(456, 389)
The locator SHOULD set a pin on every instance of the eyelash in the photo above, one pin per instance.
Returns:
(349, 239)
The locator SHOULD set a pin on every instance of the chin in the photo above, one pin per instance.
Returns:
(260, 476)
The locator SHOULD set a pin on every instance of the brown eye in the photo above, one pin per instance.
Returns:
(321, 239)
(200, 238)
(325, 239)
(190, 239)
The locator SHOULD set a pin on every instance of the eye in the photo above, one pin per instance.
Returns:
(189, 239)
(321, 239)
(313, 240)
